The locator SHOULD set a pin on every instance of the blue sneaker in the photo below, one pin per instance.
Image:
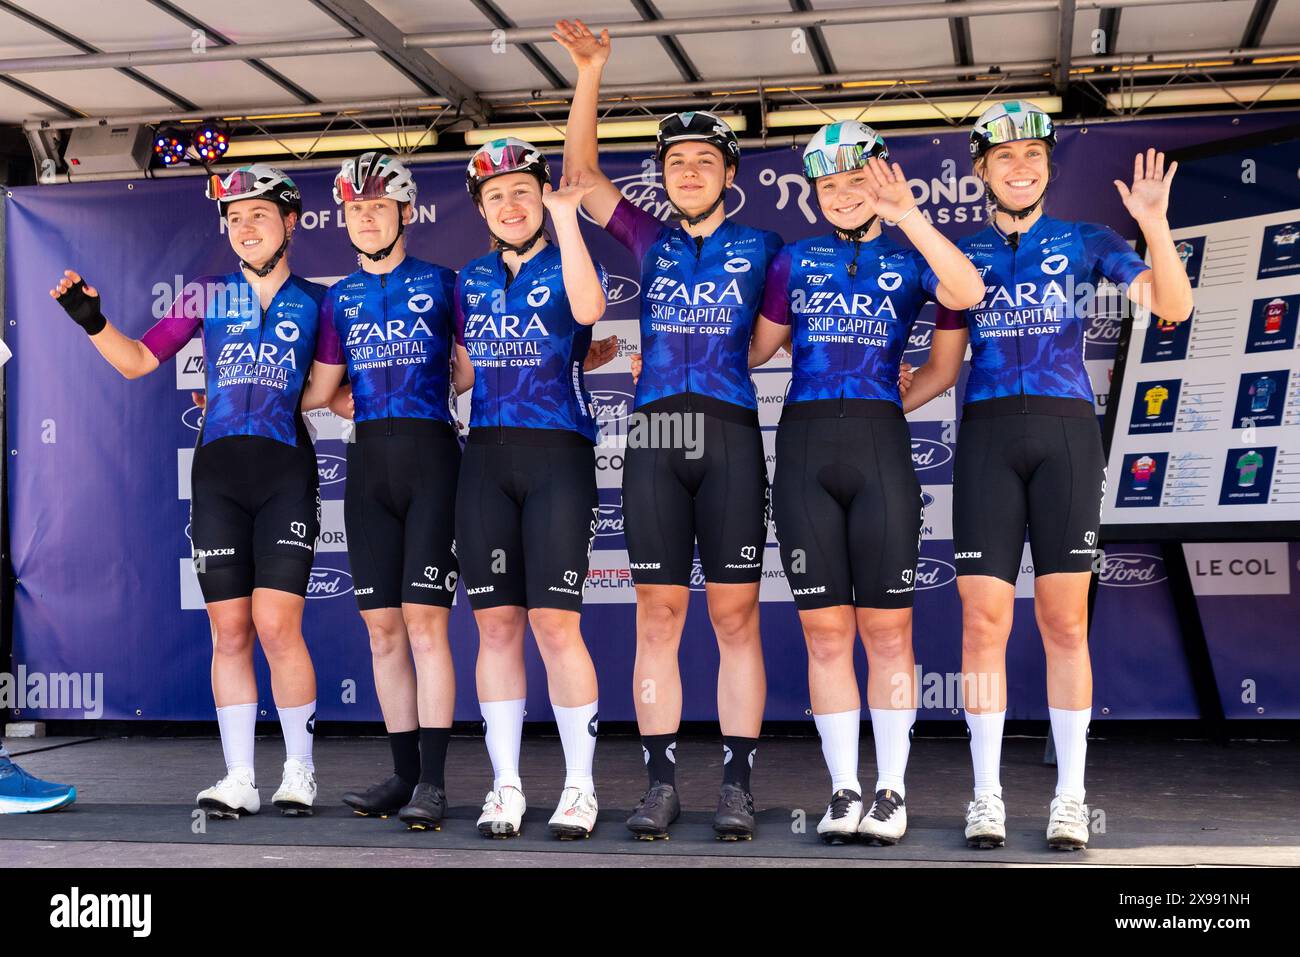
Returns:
(20, 793)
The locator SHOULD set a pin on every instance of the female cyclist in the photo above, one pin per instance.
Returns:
(1029, 450)
(255, 504)
(392, 322)
(845, 499)
(702, 277)
(526, 503)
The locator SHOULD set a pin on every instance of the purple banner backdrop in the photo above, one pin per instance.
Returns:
(99, 466)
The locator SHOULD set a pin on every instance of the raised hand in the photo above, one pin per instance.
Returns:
(636, 366)
(600, 352)
(1147, 200)
(79, 301)
(905, 373)
(567, 197)
(586, 49)
(890, 194)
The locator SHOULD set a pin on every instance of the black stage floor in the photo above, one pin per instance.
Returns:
(1162, 802)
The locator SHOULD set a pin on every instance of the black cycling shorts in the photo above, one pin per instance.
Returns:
(847, 504)
(399, 508)
(526, 509)
(1042, 467)
(254, 515)
(710, 486)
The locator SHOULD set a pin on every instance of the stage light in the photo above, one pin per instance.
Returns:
(210, 142)
(169, 145)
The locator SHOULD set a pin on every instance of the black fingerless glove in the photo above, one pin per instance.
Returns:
(83, 309)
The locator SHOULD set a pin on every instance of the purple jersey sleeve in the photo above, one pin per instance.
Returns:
(1113, 256)
(458, 307)
(169, 334)
(945, 318)
(328, 347)
(776, 292)
(633, 227)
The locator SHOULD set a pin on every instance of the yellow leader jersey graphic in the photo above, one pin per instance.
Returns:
(1155, 398)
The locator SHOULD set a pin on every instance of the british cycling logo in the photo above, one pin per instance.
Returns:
(933, 573)
(328, 583)
(929, 454)
(332, 469)
(622, 289)
(1131, 570)
(645, 191)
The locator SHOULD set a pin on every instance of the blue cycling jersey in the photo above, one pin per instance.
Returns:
(849, 331)
(526, 348)
(1027, 336)
(395, 330)
(699, 298)
(256, 363)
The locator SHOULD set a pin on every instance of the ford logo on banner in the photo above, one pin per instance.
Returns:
(328, 583)
(332, 469)
(645, 191)
(193, 417)
(622, 289)
(610, 405)
(697, 576)
(1131, 570)
(933, 573)
(1104, 330)
(609, 521)
(926, 499)
(929, 454)
(919, 339)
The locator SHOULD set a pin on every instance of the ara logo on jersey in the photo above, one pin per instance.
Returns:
(361, 333)
(490, 326)
(825, 302)
(668, 289)
(265, 353)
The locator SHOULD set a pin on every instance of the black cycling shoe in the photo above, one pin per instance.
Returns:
(426, 808)
(380, 800)
(734, 819)
(656, 810)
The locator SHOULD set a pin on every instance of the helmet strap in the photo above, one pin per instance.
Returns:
(522, 249)
(382, 254)
(265, 270)
(855, 237)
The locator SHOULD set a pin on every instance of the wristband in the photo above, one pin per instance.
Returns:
(903, 217)
(83, 309)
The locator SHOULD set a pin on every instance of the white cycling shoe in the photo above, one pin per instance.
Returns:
(503, 812)
(575, 815)
(986, 822)
(233, 795)
(886, 822)
(297, 791)
(1067, 824)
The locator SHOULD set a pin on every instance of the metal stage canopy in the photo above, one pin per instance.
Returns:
(297, 81)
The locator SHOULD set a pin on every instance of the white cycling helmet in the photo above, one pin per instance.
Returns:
(374, 176)
(840, 147)
(1010, 122)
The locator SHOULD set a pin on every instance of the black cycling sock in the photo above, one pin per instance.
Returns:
(406, 755)
(660, 758)
(738, 760)
(433, 755)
